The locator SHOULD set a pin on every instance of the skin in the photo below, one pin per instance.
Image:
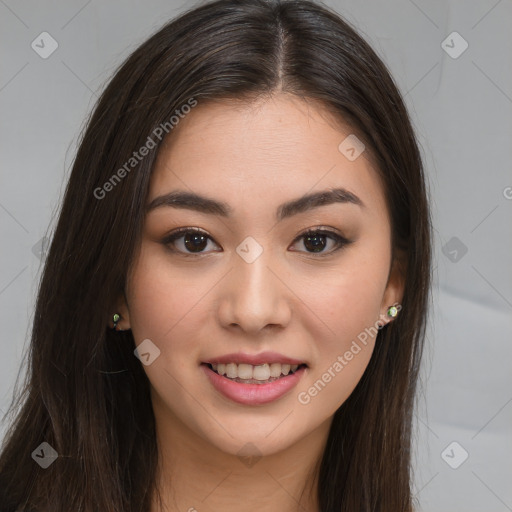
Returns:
(255, 156)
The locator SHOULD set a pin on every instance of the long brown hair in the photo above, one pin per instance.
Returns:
(85, 393)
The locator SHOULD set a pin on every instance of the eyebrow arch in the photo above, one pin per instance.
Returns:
(192, 201)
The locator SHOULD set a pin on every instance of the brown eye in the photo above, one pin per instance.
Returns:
(195, 242)
(187, 241)
(315, 241)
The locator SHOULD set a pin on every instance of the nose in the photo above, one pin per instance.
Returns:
(254, 296)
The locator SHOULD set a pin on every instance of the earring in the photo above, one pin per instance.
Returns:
(115, 318)
(392, 311)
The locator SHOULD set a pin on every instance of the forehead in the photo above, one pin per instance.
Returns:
(262, 152)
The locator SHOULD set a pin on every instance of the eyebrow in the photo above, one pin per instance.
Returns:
(202, 204)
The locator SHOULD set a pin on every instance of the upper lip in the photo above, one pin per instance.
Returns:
(254, 359)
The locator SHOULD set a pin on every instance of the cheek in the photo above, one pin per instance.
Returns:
(166, 306)
(348, 299)
(164, 299)
(346, 307)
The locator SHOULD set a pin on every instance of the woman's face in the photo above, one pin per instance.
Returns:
(250, 282)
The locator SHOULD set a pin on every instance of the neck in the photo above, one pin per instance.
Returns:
(194, 475)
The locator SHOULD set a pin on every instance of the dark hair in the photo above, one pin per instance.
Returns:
(85, 393)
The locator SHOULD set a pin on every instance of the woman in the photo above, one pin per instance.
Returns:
(233, 305)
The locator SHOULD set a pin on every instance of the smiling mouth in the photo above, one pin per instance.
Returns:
(257, 374)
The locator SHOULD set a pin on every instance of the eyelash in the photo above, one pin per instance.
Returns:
(341, 241)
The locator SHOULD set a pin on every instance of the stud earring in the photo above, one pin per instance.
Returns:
(115, 318)
(392, 311)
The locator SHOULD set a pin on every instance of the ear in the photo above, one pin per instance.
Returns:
(121, 308)
(394, 288)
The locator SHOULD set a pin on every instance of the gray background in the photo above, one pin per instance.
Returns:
(461, 108)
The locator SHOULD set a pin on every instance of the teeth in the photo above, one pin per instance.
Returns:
(261, 372)
(244, 371)
(248, 371)
(275, 370)
(231, 371)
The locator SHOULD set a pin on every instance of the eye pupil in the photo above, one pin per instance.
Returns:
(197, 237)
(317, 245)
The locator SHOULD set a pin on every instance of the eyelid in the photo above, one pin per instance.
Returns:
(323, 230)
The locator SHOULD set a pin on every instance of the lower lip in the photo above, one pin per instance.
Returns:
(253, 394)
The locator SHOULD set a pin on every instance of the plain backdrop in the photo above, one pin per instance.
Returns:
(451, 60)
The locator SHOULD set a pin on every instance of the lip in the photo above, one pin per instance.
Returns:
(255, 359)
(253, 394)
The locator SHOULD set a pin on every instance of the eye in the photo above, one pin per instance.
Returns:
(315, 241)
(193, 241)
